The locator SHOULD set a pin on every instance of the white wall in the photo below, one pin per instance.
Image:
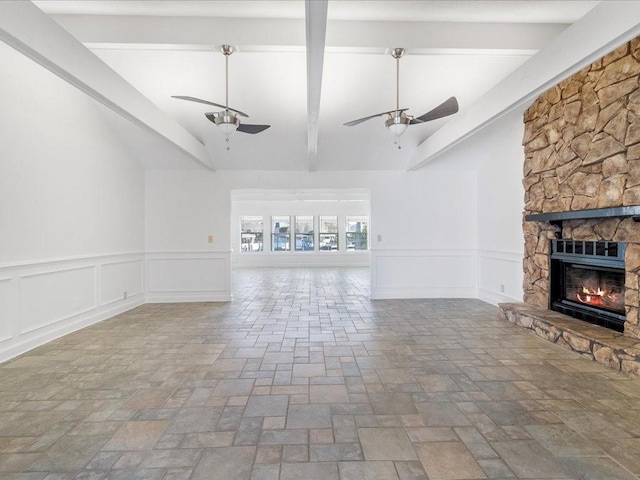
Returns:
(497, 155)
(71, 210)
(184, 209)
(500, 206)
(426, 222)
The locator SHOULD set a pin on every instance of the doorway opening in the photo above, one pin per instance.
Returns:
(300, 228)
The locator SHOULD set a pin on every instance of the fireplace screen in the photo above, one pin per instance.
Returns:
(587, 281)
(595, 287)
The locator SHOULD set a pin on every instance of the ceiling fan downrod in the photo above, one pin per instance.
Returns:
(228, 120)
(398, 120)
(397, 53)
(226, 50)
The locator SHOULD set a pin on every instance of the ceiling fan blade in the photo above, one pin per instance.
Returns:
(246, 128)
(364, 119)
(446, 108)
(207, 102)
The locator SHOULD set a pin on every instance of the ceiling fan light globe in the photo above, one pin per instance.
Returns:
(227, 122)
(228, 128)
(397, 125)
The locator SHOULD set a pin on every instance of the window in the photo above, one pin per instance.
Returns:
(328, 233)
(251, 231)
(280, 233)
(357, 232)
(304, 233)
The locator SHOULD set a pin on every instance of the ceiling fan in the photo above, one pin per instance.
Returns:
(228, 119)
(398, 121)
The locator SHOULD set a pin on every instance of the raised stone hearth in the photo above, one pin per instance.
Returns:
(582, 151)
(605, 346)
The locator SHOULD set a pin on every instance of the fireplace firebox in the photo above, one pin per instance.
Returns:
(587, 281)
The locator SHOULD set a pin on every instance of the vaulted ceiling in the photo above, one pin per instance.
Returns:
(305, 68)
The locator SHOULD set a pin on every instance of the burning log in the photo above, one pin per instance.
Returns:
(597, 297)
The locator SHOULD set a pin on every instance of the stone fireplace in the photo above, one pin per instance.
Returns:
(582, 180)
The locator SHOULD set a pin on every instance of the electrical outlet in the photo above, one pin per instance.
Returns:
(76, 302)
(210, 239)
(502, 287)
(379, 237)
(125, 295)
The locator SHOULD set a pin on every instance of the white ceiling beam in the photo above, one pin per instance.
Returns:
(604, 28)
(184, 30)
(316, 27)
(26, 28)
(250, 33)
(436, 35)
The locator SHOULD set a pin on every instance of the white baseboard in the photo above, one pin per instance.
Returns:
(22, 344)
(432, 292)
(187, 297)
(42, 301)
(494, 298)
(302, 259)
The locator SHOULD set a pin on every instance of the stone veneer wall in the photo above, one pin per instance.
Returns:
(582, 151)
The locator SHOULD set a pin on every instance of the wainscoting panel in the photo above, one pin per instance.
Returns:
(8, 308)
(41, 301)
(423, 274)
(188, 277)
(499, 276)
(49, 297)
(121, 280)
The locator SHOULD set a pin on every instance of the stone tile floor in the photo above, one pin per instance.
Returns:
(302, 377)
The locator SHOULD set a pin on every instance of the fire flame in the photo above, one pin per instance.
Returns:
(597, 297)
